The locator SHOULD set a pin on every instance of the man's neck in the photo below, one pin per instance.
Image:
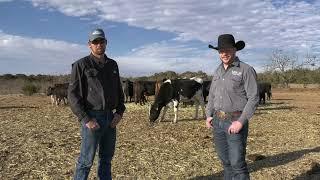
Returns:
(99, 58)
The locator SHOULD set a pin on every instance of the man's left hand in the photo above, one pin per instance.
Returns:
(116, 119)
(235, 127)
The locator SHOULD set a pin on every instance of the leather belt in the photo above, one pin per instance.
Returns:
(227, 115)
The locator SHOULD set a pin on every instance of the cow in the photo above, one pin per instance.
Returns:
(175, 91)
(263, 89)
(142, 89)
(58, 93)
(127, 87)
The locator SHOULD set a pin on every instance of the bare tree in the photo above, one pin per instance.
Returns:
(311, 61)
(283, 64)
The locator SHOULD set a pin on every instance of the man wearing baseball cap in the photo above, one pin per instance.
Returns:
(233, 98)
(96, 98)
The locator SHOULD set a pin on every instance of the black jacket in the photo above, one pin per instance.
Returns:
(93, 88)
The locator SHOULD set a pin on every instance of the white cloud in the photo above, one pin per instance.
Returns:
(178, 57)
(268, 23)
(263, 25)
(33, 56)
(47, 56)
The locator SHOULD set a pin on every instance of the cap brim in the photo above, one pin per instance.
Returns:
(96, 37)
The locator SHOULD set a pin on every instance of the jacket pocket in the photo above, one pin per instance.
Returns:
(215, 78)
(236, 81)
(91, 73)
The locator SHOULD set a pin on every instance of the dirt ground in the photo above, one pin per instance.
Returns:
(41, 141)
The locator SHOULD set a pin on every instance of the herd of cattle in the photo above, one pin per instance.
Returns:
(166, 92)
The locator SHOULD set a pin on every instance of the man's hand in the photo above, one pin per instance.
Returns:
(92, 124)
(208, 122)
(235, 127)
(116, 119)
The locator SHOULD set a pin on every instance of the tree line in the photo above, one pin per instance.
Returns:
(297, 76)
(282, 69)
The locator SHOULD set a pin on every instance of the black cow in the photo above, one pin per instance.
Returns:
(142, 89)
(175, 91)
(263, 89)
(58, 93)
(127, 87)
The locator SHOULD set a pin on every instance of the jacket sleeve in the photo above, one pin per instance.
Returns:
(120, 107)
(75, 93)
(251, 88)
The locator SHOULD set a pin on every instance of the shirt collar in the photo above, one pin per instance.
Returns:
(236, 62)
(95, 59)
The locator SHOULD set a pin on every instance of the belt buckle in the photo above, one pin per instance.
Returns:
(222, 115)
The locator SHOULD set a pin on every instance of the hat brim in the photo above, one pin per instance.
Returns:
(239, 45)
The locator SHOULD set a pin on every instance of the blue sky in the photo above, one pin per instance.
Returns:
(149, 36)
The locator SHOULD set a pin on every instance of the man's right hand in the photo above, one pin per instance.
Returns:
(92, 124)
(208, 122)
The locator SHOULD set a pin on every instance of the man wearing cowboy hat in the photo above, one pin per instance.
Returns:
(233, 98)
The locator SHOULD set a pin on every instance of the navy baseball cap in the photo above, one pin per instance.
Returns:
(96, 34)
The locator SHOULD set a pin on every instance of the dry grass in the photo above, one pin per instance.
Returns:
(40, 141)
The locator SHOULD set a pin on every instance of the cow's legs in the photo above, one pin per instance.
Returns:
(175, 109)
(197, 109)
(65, 100)
(199, 100)
(57, 100)
(52, 99)
(164, 112)
(202, 107)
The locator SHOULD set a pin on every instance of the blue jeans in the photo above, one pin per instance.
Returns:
(104, 139)
(231, 149)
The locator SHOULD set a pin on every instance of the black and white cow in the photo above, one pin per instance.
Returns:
(58, 93)
(127, 87)
(175, 91)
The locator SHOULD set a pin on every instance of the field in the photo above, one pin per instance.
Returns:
(41, 141)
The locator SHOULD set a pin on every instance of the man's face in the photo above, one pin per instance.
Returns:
(98, 46)
(227, 55)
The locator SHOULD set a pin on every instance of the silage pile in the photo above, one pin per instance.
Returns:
(40, 141)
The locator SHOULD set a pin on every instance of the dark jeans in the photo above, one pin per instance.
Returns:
(104, 139)
(231, 149)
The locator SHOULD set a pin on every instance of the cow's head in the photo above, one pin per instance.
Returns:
(49, 91)
(154, 112)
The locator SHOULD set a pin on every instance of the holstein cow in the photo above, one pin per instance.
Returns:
(175, 91)
(142, 89)
(58, 93)
(127, 87)
(263, 89)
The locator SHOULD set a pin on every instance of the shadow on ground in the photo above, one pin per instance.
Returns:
(273, 161)
(18, 107)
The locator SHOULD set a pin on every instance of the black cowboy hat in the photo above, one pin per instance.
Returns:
(227, 41)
